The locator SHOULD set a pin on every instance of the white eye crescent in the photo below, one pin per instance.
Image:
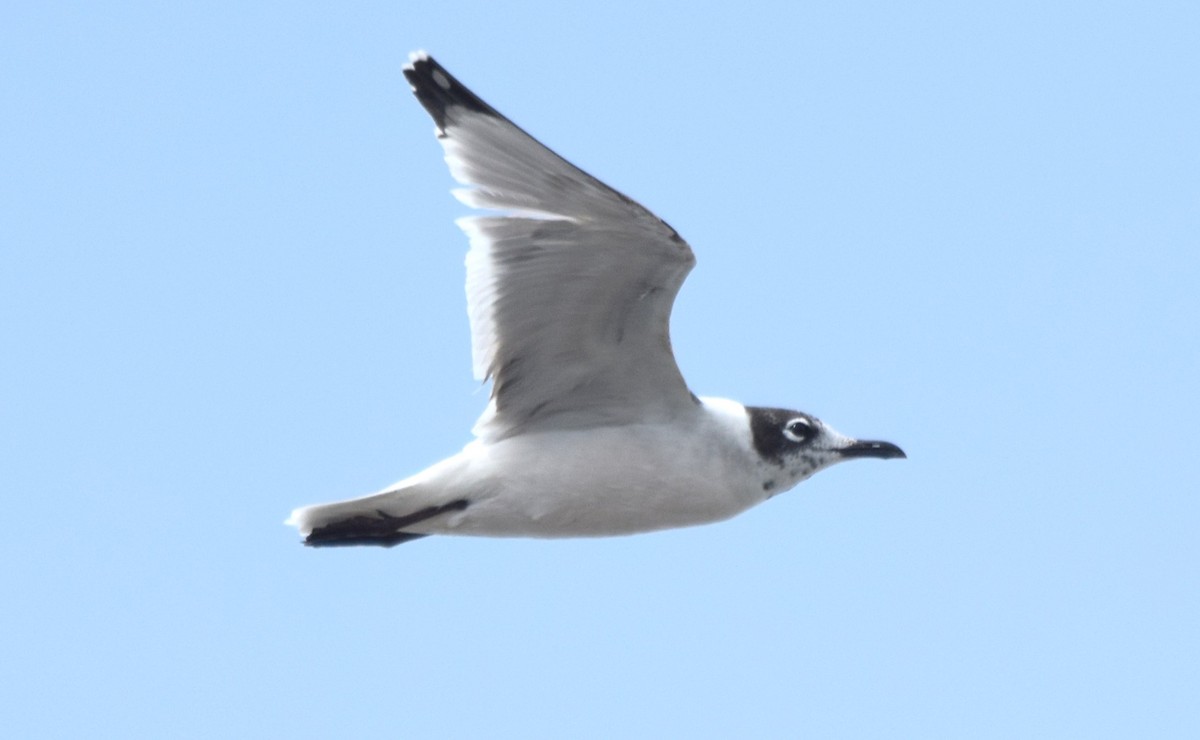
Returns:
(799, 430)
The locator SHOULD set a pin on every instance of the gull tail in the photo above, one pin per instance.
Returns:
(371, 520)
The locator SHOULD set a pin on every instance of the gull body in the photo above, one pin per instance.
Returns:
(590, 430)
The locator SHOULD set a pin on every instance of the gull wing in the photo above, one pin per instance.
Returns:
(569, 283)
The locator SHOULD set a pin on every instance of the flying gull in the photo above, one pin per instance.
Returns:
(590, 429)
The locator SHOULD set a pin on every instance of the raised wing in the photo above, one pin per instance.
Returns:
(569, 289)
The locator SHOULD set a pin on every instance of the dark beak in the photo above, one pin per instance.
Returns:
(870, 448)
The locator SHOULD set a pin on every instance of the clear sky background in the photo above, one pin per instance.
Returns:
(230, 284)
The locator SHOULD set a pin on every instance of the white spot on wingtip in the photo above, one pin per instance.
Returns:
(416, 56)
(441, 80)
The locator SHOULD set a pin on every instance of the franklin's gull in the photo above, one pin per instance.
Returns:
(590, 429)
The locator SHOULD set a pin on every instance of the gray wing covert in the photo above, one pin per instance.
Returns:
(569, 290)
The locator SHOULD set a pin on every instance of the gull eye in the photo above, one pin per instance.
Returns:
(799, 430)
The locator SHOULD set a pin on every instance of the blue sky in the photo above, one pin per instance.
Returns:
(230, 284)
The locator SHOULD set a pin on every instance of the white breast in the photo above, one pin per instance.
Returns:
(606, 480)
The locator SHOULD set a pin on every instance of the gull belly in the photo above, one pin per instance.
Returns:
(595, 482)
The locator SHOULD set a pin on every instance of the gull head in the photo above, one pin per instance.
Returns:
(793, 445)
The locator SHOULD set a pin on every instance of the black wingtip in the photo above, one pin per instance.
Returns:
(323, 539)
(381, 529)
(438, 91)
